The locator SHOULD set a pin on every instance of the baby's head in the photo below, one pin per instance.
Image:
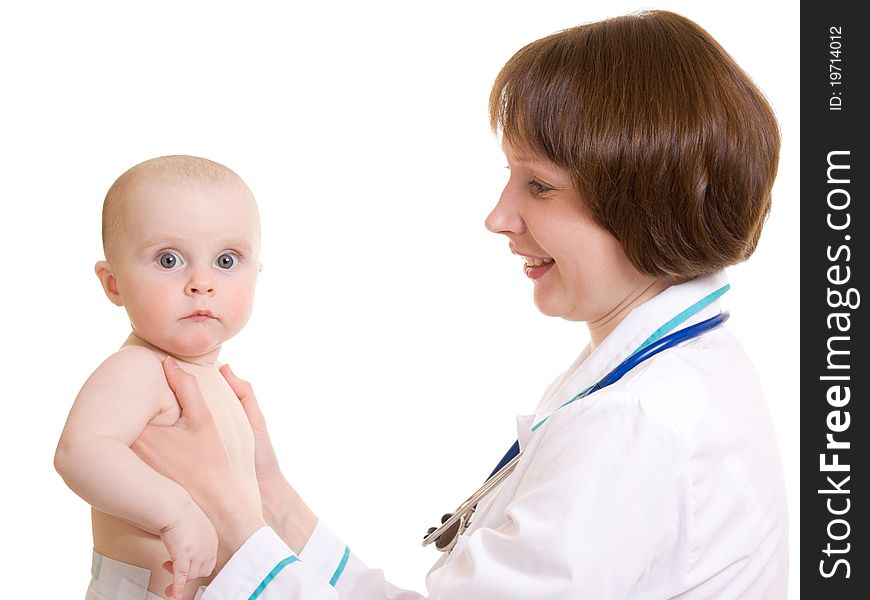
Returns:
(181, 236)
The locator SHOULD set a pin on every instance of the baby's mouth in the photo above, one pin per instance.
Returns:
(201, 314)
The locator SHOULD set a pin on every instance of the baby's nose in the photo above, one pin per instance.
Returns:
(201, 287)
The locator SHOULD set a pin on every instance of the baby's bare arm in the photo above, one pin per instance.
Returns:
(93, 456)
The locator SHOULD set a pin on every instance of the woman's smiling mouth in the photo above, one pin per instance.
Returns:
(536, 267)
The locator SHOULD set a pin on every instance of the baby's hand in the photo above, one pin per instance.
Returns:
(192, 544)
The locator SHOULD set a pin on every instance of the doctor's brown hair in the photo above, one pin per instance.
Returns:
(668, 142)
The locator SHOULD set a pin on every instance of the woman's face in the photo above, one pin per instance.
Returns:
(578, 268)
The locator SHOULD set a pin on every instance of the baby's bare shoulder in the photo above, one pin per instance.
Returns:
(135, 372)
(132, 364)
(127, 391)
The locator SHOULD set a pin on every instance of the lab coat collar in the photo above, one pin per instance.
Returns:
(634, 329)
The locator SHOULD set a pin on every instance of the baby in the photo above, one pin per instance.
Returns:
(181, 237)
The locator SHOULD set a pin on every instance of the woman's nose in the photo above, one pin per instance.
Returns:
(505, 218)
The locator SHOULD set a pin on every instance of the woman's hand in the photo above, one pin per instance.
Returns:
(283, 509)
(192, 454)
(266, 463)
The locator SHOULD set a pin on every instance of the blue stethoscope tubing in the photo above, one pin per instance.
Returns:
(645, 353)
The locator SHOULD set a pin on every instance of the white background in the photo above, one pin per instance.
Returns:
(393, 339)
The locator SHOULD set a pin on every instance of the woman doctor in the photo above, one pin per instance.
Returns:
(641, 161)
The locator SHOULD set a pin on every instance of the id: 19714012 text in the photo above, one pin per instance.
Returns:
(835, 68)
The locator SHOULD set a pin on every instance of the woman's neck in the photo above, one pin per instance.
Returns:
(600, 328)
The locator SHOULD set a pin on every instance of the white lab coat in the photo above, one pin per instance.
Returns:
(667, 484)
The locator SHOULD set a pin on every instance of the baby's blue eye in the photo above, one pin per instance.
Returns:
(227, 261)
(169, 260)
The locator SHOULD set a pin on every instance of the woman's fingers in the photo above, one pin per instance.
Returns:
(187, 391)
(265, 461)
(245, 393)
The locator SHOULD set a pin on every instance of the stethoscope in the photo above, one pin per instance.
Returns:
(454, 524)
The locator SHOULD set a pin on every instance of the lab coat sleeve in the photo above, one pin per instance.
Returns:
(265, 568)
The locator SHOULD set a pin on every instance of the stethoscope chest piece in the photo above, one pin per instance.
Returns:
(454, 524)
(448, 538)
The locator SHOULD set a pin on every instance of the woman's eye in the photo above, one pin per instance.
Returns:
(169, 260)
(539, 188)
(227, 261)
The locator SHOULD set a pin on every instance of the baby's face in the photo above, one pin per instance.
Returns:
(186, 263)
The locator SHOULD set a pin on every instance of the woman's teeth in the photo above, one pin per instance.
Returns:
(537, 262)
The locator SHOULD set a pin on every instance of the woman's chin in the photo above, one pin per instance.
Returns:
(552, 307)
(547, 306)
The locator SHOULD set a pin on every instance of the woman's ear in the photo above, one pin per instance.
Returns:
(110, 284)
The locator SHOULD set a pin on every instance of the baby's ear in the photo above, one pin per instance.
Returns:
(107, 279)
